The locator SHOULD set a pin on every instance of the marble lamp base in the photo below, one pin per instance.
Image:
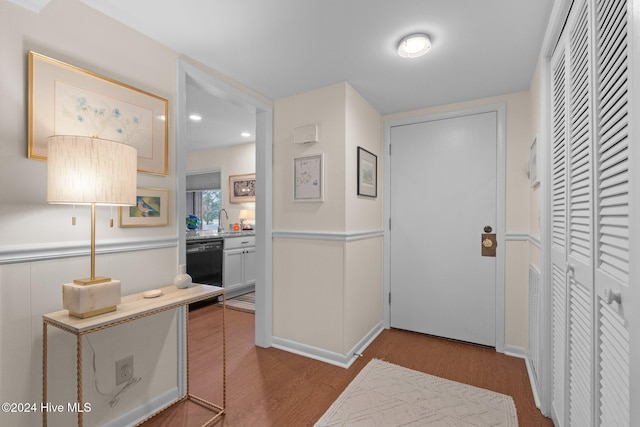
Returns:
(90, 300)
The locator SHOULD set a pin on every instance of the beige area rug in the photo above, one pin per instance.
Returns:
(246, 303)
(387, 395)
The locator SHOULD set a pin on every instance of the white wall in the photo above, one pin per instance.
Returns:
(363, 129)
(363, 258)
(72, 32)
(40, 249)
(535, 193)
(230, 160)
(326, 108)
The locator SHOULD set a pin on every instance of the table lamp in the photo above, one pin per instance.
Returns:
(91, 171)
(246, 214)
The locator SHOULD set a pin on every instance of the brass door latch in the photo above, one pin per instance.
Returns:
(488, 244)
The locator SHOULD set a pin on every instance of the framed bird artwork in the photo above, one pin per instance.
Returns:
(151, 209)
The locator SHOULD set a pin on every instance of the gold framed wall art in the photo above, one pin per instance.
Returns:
(68, 100)
(151, 209)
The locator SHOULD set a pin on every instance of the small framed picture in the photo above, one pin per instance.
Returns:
(533, 164)
(151, 209)
(307, 178)
(242, 188)
(367, 173)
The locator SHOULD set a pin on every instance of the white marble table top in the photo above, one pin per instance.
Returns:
(135, 305)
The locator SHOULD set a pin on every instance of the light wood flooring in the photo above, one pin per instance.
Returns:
(271, 387)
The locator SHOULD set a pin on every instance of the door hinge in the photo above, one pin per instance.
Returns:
(389, 223)
(389, 298)
(389, 149)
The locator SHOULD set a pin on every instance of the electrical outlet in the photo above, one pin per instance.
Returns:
(124, 370)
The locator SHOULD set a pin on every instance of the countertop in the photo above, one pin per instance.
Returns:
(211, 234)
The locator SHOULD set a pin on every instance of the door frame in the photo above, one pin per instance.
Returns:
(264, 144)
(500, 110)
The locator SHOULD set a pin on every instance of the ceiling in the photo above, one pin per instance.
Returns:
(223, 122)
(280, 48)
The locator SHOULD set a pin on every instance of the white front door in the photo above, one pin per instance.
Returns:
(443, 194)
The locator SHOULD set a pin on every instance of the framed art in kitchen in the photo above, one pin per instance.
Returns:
(242, 188)
(367, 173)
(68, 100)
(308, 178)
(151, 209)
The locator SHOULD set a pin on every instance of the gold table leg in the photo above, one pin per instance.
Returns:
(218, 410)
(44, 374)
(224, 352)
(79, 377)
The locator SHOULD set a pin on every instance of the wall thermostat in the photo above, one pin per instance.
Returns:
(305, 134)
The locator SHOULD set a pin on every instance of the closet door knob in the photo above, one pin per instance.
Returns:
(611, 296)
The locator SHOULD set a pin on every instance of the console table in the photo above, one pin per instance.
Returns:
(135, 307)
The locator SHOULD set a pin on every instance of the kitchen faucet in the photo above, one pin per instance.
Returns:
(220, 228)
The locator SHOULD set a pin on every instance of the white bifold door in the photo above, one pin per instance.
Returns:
(590, 188)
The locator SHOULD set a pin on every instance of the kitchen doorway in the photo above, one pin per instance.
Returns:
(263, 139)
(445, 176)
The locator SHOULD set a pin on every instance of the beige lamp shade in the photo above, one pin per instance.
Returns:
(85, 170)
(247, 214)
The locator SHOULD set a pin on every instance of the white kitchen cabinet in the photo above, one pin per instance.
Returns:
(239, 265)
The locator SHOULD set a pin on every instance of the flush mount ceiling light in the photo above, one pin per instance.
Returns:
(195, 117)
(414, 45)
(245, 134)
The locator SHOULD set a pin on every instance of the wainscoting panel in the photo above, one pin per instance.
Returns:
(32, 287)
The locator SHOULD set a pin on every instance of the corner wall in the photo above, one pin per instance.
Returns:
(327, 291)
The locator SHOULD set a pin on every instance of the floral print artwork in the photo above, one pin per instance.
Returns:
(82, 112)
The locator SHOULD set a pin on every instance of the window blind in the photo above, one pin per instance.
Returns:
(204, 181)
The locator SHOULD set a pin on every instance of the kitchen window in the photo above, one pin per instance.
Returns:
(204, 198)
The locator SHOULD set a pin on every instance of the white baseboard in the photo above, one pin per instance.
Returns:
(241, 290)
(141, 412)
(333, 358)
(515, 351)
(534, 386)
(523, 353)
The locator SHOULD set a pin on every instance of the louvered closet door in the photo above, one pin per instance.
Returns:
(612, 212)
(590, 217)
(558, 230)
(579, 218)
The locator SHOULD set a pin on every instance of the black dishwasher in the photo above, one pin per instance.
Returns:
(204, 261)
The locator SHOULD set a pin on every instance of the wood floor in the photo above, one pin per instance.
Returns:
(270, 387)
